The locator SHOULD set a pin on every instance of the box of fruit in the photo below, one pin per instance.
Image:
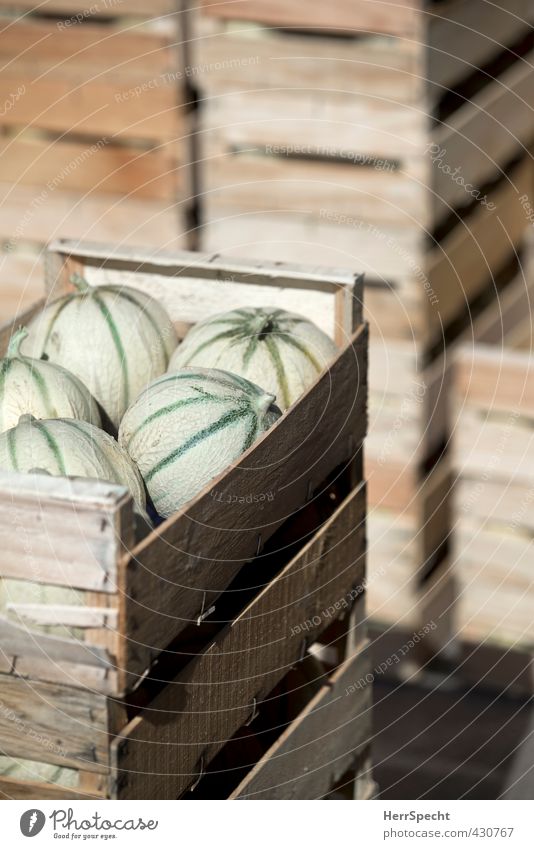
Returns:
(163, 415)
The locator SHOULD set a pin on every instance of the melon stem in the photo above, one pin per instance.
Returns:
(80, 283)
(263, 403)
(15, 342)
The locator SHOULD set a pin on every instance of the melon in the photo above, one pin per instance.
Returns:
(278, 350)
(41, 389)
(187, 427)
(115, 339)
(69, 448)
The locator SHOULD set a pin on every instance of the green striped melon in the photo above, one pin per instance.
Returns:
(187, 427)
(115, 339)
(41, 389)
(69, 448)
(280, 351)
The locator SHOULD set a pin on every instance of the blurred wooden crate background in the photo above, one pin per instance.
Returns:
(484, 593)
(391, 137)
(94, 133)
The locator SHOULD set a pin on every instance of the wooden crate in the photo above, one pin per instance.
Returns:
(493, 409)
(280, 168)
(320, 135)
(94, 135)
(139, 600)
(157, 746)
(117, 574)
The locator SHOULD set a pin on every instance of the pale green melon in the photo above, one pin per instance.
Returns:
(115, 339)
(187, 427)
(280, 351)
(41, 389)
(69, 448)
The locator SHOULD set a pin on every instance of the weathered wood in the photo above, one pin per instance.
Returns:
(63, 530)
(98, 166)
(62, 614)
(484, 134)
(464, 36)
(13, 788)
(394, 17)
(92, 78)
(80, 215)
(464, 261)
(102, 8)
(217, 691)
(53, 724)
(322, 742)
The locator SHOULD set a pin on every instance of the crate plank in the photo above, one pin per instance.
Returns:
(463, 36)
(58, 725)
(395, 17)
(102, 8)
(33, 215)
(13, 788)
(460, 266)
(322, 742)
(251, 654)
(72, 531)
(483, 135)
(99, 166)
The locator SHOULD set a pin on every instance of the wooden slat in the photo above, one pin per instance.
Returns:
(342, 123)
(465, 260)
(52, 724)
(495, 379)
(102, 8)
(71, 616)
(12, 788)
(63, 531)
(322, 742)
(253, 57)
(395, 17)
(128, 49)
(484, 134)
(100, 166)
(61, 104)
(159, 751)
(251, 180)
(463, 36)
(78, 215)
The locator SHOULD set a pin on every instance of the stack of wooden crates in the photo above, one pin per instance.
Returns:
(482, 596)
(224, 655)
(93, 121)
(388, 137)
